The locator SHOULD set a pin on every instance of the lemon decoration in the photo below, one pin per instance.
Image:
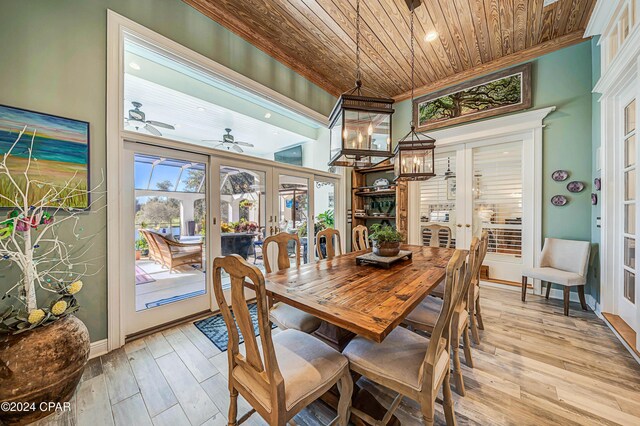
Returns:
(35, 316)
(59, 307)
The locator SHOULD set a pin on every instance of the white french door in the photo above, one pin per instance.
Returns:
(626, 294)
(480, 187)
(181, 210)
(164, 240)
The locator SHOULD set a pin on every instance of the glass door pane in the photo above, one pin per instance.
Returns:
(438, 198)
(629, 210)
(170, 230)
(243, 213)
(293, 211)
(497, 198)
(324, 204)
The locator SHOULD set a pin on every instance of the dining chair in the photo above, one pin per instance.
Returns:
(410, 364)
(425, 316)
(292, 368)
(436, 234)
(475, 312)
(330, 246)
(563, 262)
(283, 315)
(359, 238)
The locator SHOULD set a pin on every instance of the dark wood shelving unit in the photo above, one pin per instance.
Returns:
(363, 191)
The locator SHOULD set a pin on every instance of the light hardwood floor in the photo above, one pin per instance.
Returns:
(533, 367)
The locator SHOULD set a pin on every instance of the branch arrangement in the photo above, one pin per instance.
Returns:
(30, 241)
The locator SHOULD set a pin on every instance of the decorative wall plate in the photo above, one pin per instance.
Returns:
(575, 186)
(597, 183)
(560, 175)
(559, 200)
(594, 198)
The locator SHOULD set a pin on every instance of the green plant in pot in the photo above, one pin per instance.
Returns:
(385, 240)
(43, 346)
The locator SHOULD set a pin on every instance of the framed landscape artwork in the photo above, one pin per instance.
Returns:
(59, 156)
(488, 96)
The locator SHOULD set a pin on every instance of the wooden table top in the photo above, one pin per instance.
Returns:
(366, 300)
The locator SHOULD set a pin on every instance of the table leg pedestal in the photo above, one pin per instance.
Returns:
(336, 337)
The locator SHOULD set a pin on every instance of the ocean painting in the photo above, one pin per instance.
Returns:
(60, 157)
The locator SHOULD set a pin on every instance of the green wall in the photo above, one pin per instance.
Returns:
(562, 79)
(53, 60)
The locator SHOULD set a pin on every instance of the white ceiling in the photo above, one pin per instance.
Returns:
(196, 119)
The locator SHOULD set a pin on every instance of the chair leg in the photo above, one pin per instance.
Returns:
(474, 328)
(428, 408)
(344, 404)
(447, 402)
(467, 348)
(479, 314)
(524, 288)
(583, 302)
(567, 292)
(233, 407)
(548, 290)
(457, 371)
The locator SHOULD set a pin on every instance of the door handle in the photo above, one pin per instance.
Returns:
(468, 226)
(459, 225)
(271, 230)
(215, 220)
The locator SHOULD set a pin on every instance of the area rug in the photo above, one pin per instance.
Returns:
(142, 277)
(216, 330)
(168, 300)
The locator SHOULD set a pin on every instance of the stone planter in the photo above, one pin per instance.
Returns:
(386, 249)
(41, 366)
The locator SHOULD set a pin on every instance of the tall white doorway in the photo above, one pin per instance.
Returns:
(483, 183)
(479, 187)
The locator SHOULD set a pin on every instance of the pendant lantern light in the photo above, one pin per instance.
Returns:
(414, 153)
(360, 124)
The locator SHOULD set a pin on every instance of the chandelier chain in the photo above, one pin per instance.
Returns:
(357, 40)
(413, 60)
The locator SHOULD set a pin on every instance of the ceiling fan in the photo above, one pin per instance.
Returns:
(229, 142)
(138, 120)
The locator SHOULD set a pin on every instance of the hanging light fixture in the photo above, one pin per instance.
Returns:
(360, 124)
(414, 153)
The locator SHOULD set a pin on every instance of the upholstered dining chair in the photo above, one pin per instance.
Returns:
(439, 235)
(281, 314)
(359, 238)
(410, 364)
(562, 262)
(425, 316)
(291, 370)
(475, 311)
(330, 245)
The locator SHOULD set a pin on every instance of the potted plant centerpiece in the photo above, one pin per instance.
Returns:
(43, 346)
(385, 240)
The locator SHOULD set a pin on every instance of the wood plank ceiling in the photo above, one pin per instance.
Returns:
(316, 38)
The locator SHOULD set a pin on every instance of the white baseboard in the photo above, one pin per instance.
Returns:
(98, 348)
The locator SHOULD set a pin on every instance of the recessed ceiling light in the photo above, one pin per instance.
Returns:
(431, 36)
(201, 109)
(267, 115)
(506, 153)
(275, 133)
(134, 66)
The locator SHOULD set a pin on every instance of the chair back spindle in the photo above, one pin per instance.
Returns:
(282, 241)
(360, 238)
(328, 235)
(437, 231)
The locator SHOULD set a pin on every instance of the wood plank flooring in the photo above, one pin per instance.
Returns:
(533, 367)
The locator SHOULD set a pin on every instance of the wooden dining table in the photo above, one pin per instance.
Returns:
(363, 300)
(355, 299)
